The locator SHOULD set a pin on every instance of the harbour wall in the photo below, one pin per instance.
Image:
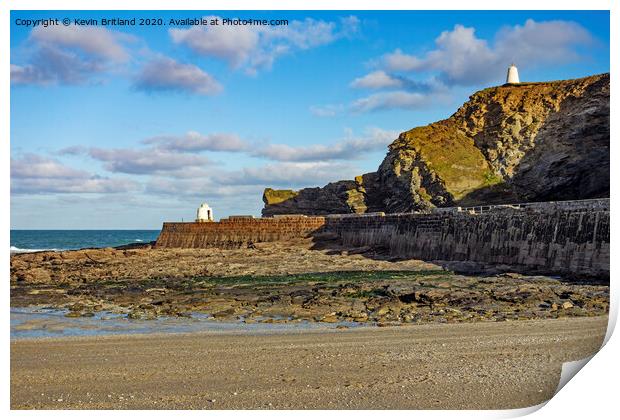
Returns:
(236, 232)
(555, 239)
(563, 238)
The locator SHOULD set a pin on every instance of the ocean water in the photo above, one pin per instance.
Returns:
(38, 240)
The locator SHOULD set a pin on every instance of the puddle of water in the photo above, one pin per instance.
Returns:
(36, 322)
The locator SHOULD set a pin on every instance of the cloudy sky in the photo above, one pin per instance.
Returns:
(125, 127)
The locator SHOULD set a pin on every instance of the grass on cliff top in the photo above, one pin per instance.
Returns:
(271, 196)
(549, 83)
(453, 156)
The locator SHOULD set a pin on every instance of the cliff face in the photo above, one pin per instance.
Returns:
(512, 143)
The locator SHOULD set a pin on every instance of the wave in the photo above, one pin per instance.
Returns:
(138, 240)
(15, 250)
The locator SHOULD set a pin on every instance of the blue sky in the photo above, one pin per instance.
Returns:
(126, 127)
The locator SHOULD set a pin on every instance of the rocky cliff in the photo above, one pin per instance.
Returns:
(512, 143)
(336, 197)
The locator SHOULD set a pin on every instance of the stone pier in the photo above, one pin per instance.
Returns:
(563, 238)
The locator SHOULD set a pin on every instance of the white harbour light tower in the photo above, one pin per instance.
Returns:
(513, 74)
(204, 213)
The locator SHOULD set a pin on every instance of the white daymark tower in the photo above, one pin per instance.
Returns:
(204, 213)
(513, 74)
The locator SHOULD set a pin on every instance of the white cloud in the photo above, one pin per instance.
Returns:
(91, 185)
(349, 148)
(70, 55)
(29, 74)
(34, 166)
(287, 174)
(92, 40)
(254, 47)
(146, 161)
(200, 187)
(377, 80)
(350, 26)
(174, 167)
(52, 65)
(326, 110)
(542, 42)
(180, 156)
(195, 142)
(461, 58)
(34, 174)
(231, 43)
(247, 184)
(166, 74)
(391, 100)
(398, 61)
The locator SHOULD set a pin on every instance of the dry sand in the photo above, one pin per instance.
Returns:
(484, 365)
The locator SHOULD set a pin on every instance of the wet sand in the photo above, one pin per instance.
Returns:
(483, 365)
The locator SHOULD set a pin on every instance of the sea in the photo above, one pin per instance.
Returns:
(60, 240)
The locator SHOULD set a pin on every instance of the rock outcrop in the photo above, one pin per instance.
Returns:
(285, 282)
(336, 197)
(512, 143)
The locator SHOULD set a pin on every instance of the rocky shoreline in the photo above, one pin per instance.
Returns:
(287, 283)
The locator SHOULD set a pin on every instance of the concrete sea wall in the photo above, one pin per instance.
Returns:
(564, 238)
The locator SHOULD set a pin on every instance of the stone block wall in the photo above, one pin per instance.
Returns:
(235, 232)
(563, 240)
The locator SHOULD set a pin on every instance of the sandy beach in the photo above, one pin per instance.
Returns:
(484, 365)
(421, 337)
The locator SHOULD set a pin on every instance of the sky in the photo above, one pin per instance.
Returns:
(125, 127)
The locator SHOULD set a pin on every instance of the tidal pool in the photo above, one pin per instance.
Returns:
(38, 322)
